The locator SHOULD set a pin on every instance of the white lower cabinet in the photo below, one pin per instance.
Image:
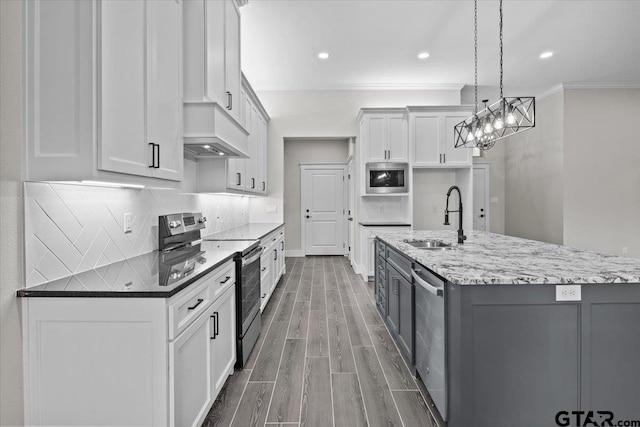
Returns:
(129, 361)
(272, 264)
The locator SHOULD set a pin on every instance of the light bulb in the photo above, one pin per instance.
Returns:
(511, 119)
(470, 136)
(498, 123)
(487, 127)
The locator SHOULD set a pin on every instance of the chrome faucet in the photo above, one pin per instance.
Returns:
(461, 236)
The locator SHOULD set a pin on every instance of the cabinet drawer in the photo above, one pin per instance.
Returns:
(401, 264)
(184, 309)
(225, 277)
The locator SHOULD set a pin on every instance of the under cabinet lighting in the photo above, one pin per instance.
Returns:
(111, 184)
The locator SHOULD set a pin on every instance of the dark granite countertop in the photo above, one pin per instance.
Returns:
(151, 275)
(254, 231)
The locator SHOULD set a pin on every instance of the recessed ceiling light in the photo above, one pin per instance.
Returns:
(423, 55)
(545, 55)
(323, 55)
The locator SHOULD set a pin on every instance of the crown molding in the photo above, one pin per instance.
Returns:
(363, 86)
(557, 88)
(601, 85)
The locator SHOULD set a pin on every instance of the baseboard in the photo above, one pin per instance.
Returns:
(293, 253)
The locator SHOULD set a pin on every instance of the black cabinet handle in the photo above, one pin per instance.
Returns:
(228, 100)
(217, 324)
(226, 280)
(197, 304)
(253, 183)
(282, 248)
(263, 268)
(264, 186)
(239, 178)
(275, 252)
(153, 155)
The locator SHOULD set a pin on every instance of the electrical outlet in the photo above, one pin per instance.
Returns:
(272, 209)
(568, 293)
(128, 222)
(380, 208)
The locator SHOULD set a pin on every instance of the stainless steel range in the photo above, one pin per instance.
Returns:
(180, 234)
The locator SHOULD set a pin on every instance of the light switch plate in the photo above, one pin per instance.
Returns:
(568, 293)
(271, 208)
(128, 222)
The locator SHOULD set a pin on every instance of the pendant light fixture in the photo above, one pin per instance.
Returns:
(501, 119)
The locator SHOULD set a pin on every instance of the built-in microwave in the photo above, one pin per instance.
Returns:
(384, 178)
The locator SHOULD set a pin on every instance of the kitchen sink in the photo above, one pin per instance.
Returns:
(431, 244)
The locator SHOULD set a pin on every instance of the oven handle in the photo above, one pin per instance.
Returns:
(249, 260)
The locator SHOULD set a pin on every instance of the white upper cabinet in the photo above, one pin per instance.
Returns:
(384, 135)
(104, 91)
(232, 58)
(432, 139)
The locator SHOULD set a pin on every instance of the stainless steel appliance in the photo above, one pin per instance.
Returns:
(247, 301)
(180, 239)
(387, 177)
(430, 336)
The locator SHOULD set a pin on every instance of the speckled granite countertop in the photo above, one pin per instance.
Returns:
(253, 231)
(151, 275)
(491, 259)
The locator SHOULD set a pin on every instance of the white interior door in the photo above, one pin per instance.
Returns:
(323, 214)
(480, 195)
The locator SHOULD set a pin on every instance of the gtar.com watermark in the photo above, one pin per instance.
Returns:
(592, 419)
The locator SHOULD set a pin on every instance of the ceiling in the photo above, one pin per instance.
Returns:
(374, 43)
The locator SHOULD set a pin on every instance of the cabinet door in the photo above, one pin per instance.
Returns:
(265, 278)
(398, 143)
(405, 326)
(189, 367)
(164, 119)
(393, 299)
(236, 173)
(425, 139)
(275, 266)
(215, 51)
(232, 57)
(262, 154)
(454, 156)
(123, 87)
(223, 341)
(252, 183)
(376, 138)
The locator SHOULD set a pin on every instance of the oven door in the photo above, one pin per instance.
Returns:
(250, 288)
(385, 178)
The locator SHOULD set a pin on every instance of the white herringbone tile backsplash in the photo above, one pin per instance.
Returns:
(73, 228)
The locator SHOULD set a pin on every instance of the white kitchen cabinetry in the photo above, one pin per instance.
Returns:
(432, 139)
(384, 135)
(104, 90)
(235, 174)
(367, 243)
(159, 361)
(212, 98)
(272, 264)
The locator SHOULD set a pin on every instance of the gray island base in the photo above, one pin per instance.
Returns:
(490, 340)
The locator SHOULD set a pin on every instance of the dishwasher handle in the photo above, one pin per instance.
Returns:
(426, 285)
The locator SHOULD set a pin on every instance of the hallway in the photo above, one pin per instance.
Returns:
(324, 357)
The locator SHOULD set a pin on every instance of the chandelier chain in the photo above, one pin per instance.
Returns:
(475, 47)
(501, 50)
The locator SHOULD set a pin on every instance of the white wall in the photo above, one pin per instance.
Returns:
(11, 146)
(430, 197)
(602, 170)
(534, 178)
(304, 151)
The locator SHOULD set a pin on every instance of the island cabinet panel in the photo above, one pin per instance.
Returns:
(611, 349)
(516, 356)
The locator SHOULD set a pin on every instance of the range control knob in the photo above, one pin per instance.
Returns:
(202, 219)
(175, 224)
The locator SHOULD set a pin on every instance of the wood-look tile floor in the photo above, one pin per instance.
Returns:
(324, 358)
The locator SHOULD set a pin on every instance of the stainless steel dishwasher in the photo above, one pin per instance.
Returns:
(430, 336)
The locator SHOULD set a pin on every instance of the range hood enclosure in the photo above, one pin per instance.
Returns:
(207, 123)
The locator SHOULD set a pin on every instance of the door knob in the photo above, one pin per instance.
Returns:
(308, 216)
(482, 216)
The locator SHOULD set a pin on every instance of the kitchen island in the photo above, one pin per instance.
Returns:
(498, 337)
